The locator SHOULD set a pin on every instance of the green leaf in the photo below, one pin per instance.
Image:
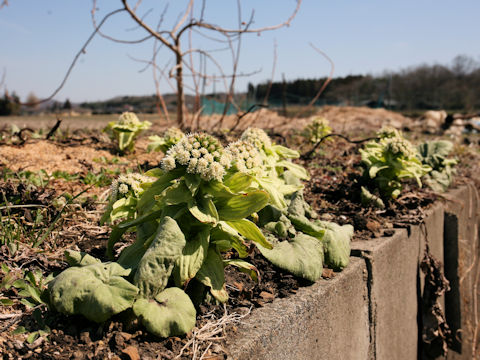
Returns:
(250, 231)
(238, 182)
(175, 194)
(302, 256)
(191, 260)
(6, 302)
(297, 170)
(192, 182)
(147, 201)
(272, 187)
(242, 206)
(284, 152)
(157, 263)
(244, 267)
(170, 313)
(204, 211)
(336, 243)
(32, 337)
(78, 258)
(19, 330)
(211, 274)
(303, 224)
(225, 237)
(95, 291)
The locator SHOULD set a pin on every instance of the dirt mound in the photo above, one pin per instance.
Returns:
(362, 119)
(51, 156)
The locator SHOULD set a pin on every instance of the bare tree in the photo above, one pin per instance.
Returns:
(172, 39)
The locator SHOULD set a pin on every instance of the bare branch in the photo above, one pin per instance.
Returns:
(185, 16)
(246, 29)
(111, 38)
(75, 59)
(152, 32)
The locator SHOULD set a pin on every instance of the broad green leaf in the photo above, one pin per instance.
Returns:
(336, 244)
(307, 226)
(250, 231)
(147, 201)
(204, 211)
(170, 313)
(301, 256)
(174, 195)
(78, 258)
(223, 234)
(297, 170)
(245, 267)
(285, 152)
(211, 274)
(140, 220)
(157, 263)
(95, 291)
(192, 257)
(276, 197)
(242, 206)
(192, 182)
(238, 182)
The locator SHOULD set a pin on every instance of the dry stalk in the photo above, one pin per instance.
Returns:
(212, 331)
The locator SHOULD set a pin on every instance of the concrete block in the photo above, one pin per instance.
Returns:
(392, 263)
(328, 320)
(461, 244)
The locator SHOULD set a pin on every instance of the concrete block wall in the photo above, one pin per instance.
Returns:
(373, 309)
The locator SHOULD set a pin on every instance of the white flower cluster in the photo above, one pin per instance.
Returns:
(399, 146)
(388, 132)
(202, 154)
(257, 137)
(173, 135)
(129, 184)
(245, 156)
(128, 118)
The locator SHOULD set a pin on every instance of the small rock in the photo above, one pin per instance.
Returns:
(78, 355)
(328, 273)
(267, 296)
(132, 352)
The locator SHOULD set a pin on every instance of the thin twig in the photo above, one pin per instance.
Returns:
(309, 153)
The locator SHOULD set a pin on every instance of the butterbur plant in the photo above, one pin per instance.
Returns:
(124, 194)
(389, 161)
(280, 177)
(205, 210)
(195, 210)
(125, 130)
(163, 143)
(317, 129)
(435, 154)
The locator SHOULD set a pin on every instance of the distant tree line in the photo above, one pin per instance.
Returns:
(451, 87)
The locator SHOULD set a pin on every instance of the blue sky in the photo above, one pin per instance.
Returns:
(39, 38)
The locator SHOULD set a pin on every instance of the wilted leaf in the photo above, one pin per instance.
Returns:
(157, 263)
(336, 244)
(192, 257)
(77, 258)
(211, 274)
(170, 313)
(95, 291)
(301, 256)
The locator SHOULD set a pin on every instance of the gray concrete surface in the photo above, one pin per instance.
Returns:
(328, 320)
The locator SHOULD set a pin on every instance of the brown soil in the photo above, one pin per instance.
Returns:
(332, 191)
